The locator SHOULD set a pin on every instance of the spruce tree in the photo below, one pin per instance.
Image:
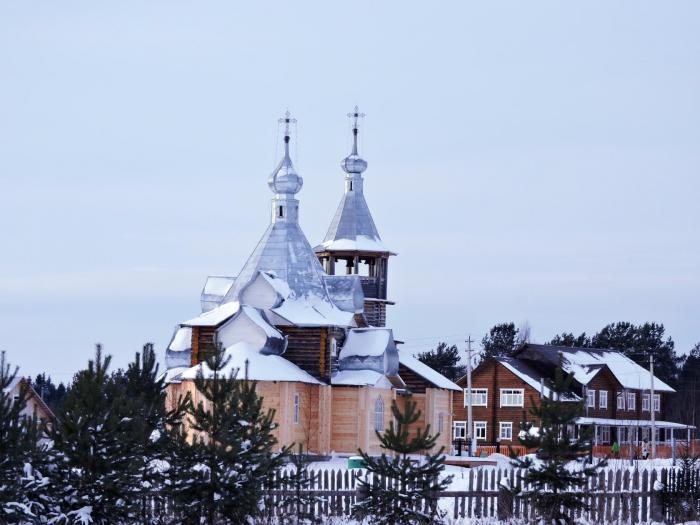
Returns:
(411, 480)
(297, 508)
(560, 472)
(233, 444)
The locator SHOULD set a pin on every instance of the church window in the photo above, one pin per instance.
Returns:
(280, 211)
(297, 402)
(379, 415)
(350, 185)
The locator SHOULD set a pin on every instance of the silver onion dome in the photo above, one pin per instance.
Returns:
(284, 179)
(353, 163)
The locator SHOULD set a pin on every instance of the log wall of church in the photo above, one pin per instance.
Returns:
(375, 313)
(310, 348)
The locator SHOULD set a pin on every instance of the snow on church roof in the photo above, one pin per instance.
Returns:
(261, 367)
(360, 378)
(426, 372)
(352, 227)
(216, 316)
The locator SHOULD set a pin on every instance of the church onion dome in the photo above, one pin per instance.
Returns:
(353, 163)
(284, 179)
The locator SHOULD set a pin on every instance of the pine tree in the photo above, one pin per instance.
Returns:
(445, 360)
(569, 339)
(501, 341)
(410, 480)
(233, 444)
(92, 440)
(555, 483)
(144, 394)
(24, 488)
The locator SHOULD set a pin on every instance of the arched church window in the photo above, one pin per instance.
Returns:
(379, 415)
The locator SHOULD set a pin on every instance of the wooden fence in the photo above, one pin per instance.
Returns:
(614, 496)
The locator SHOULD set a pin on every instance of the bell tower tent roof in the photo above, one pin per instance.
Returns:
(352, 228)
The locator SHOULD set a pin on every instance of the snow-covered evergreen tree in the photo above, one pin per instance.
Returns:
(93, 451)
(297, 507)
(556, 477)
(234, 445)
(147, 421)
(24, 485)
(411, 479)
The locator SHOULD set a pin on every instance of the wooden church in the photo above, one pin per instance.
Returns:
(309, 325)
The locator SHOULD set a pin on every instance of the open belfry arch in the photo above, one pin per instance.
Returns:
(313, 338)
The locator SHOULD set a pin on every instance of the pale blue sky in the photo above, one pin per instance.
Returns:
(529, 161)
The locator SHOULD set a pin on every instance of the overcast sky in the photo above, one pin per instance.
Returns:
(529, 161)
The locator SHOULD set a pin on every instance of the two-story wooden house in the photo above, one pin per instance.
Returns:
(615, 391)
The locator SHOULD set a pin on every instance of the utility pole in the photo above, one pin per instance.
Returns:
(470, 423)
(652, 407)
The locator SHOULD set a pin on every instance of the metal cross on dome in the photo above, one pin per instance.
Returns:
(287, 120)
(356, 115)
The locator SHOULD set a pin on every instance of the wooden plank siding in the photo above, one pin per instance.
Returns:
(494, 376)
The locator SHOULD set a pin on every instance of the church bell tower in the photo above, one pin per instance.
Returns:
(352, 244)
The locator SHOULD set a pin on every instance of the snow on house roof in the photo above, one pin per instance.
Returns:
(530, 376)
(426, 372)
(216, 316)
(361, 378)
(261, 367)
(585, 363)
(630, 423)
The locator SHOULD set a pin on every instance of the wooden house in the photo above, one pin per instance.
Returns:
(615, 392)
(309, 325)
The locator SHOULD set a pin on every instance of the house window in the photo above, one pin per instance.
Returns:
(459, 429)
(645, 402)
(512, 397)
(657, 402)
(620, 401)
(591, 398)
(297, 402)
(605, 434)
(379, 415)
(603, 399)
(480, 430)
(630, 401)
(440, 422)
(505, 430)
(479, 397)
(646, 432)
(621, 435)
